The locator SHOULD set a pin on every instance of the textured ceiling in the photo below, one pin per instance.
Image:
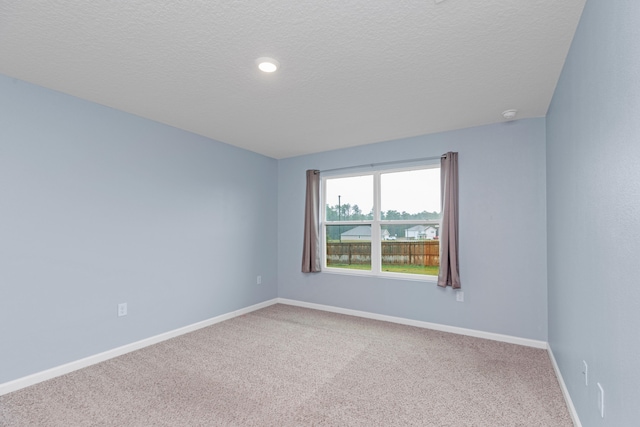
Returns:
(352, 71)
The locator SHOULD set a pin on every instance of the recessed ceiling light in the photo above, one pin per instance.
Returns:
(509, 114)
(268, 65)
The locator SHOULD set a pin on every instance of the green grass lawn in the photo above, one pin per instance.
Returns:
(351, 266)
(412, 269)
(406, 268)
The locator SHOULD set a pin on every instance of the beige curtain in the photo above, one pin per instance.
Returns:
(449, 269)
(311, 245)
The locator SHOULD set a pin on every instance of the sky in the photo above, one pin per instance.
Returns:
(411, 191)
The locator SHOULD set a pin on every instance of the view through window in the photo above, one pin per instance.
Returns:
(384, 222)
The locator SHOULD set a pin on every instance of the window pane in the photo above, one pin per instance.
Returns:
(349, 199)
(411, 194)
(349, 246)
(412, 249)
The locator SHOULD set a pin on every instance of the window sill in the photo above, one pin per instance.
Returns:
(395, 276)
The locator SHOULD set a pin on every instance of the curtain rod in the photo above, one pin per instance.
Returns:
(395, 162)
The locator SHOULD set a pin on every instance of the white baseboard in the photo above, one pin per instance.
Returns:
(418, 323)
(38, 377)
(565, 391)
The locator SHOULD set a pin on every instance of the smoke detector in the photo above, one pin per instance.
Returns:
(509, 114)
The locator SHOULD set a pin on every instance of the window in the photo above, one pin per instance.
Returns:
(383, 223)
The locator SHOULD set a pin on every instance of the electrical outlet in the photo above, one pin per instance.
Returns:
(585, 372)
(122, 309)
(601, 400)
(259, 280)
(459, 296)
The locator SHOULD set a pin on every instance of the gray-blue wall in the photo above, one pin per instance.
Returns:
(99, 207)
(502, 233)
(593, 188)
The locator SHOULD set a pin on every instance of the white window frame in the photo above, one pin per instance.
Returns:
(376, 225)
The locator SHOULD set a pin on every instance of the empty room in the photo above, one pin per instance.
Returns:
(355, 213)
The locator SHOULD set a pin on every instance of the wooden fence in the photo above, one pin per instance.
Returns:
(422, 252)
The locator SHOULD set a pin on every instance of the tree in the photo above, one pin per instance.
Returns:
(392, 214)
(346, 211)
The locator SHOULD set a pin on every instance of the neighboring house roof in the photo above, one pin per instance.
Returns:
(361, 230)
